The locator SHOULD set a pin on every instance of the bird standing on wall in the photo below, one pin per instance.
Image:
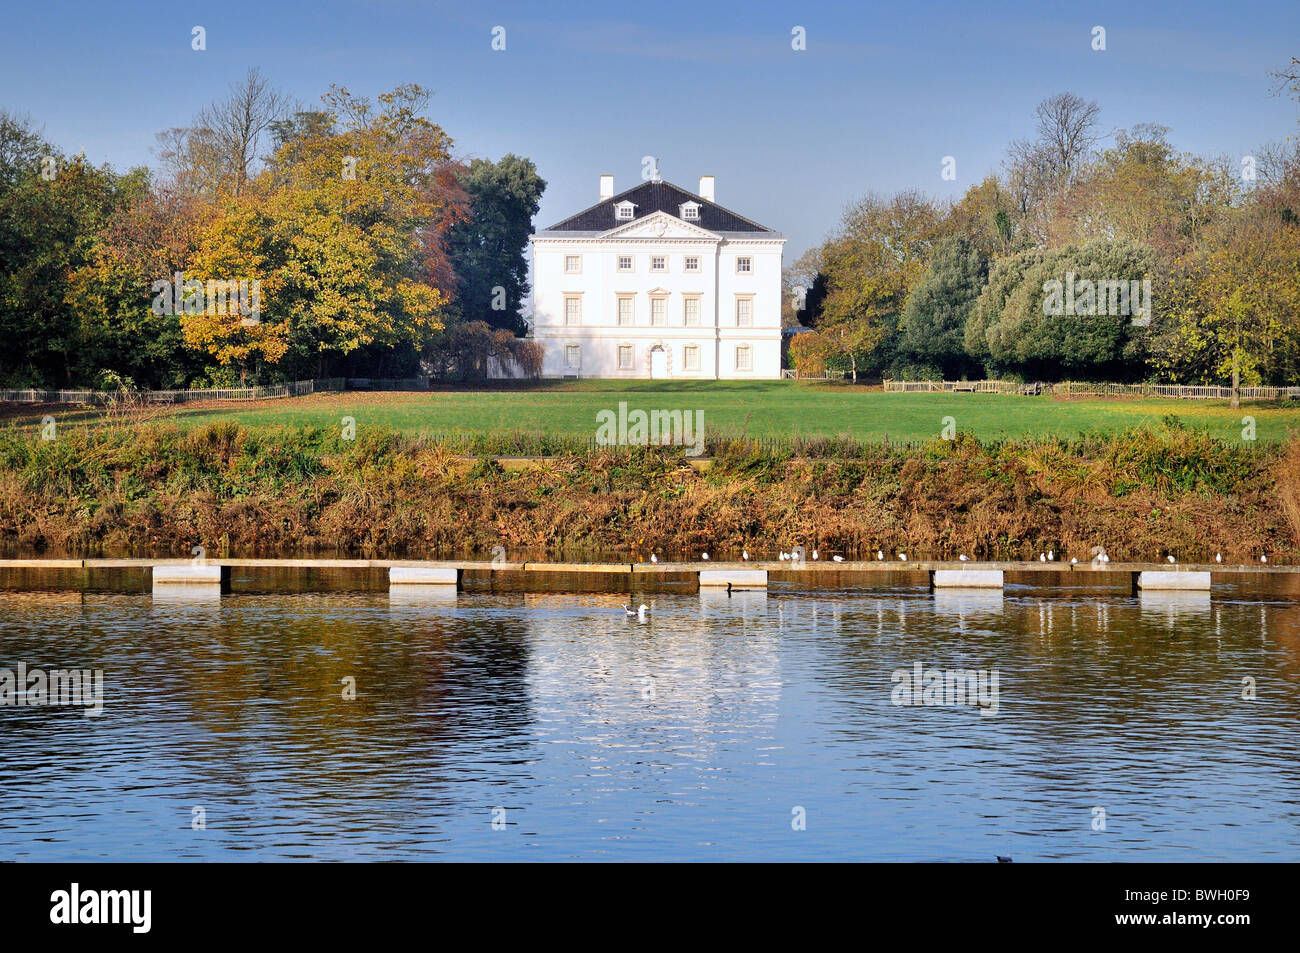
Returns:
(838, 559)
(744, 554)
(654, 558)
(880, 554)
(1218, 557)
(704, 556)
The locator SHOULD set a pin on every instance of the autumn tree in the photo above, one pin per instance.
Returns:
(1142, 190)
(810, 353)
(334, 237)
(151, 236)
(871, 265)
(1233, 311)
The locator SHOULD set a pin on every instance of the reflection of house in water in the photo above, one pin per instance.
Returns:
(703, 671)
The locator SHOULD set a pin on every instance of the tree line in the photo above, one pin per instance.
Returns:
(1089, 256)
(370, 249)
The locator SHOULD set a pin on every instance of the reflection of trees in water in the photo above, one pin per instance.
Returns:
(436, 690)
(45, 630)
(1081, 657)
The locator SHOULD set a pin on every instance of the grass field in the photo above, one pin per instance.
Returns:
(761, 409)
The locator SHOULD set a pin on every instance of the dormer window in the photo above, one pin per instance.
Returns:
(691, 211)
(623, 210)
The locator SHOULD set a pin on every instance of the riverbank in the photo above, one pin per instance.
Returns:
(155, 489)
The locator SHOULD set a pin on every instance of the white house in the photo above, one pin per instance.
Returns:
(658, 282)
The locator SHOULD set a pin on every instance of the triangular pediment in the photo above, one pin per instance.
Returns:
(660, 225)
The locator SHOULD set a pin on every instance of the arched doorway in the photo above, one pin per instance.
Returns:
(658, 362)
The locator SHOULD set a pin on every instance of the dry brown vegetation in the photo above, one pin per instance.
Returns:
(158, 490)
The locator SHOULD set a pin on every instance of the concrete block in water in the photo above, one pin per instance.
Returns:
(1174, 580)
(968, 579)
(422, 576)
(191, 575)
(737, 578)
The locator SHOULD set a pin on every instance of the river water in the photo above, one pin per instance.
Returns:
(514, 726)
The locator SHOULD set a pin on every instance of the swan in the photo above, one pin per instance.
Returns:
(641, 612)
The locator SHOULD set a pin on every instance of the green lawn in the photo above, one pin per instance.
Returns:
(756, 409)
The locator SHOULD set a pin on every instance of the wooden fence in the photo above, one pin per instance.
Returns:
(790, 374)
(266, 392)
(1093, 389)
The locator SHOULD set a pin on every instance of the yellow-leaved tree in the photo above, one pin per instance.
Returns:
(334, 231)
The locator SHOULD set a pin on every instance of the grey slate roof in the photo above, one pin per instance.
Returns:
(651, 197)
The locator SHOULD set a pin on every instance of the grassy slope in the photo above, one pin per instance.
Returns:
(757, 409)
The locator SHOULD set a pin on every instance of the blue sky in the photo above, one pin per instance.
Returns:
(881, 94)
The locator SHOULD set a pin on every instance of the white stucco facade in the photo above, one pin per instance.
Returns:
(658, 296)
